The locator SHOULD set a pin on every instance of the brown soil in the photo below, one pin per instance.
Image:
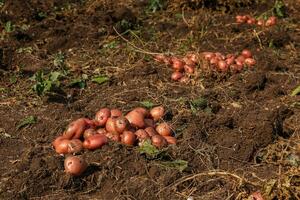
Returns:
(245, 140)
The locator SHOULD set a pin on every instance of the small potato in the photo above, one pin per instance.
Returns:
(114, 113)
(110, 125)
(158, 141)
(121, 124)
(76, 129)
(136, 119)
(176, 76)
(62, 146)
(157, 113)
(128, 138)
(149, 122)
(142, 135)
(101, 116)
(89, 132)
(170, 139)
(151, 131)
(75, 165)
(74, 146)
(177, 64)
(164, 129)
(95, 142)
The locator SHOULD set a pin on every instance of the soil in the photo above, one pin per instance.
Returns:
(245, 139)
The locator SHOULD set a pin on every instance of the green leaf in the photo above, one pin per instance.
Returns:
(59, 59)
(147, 104)
(8, 27)
(155, 5)
(176, 164)
(296, 91)
(54, 76)
(84, 77)
(13, 79)
(278, 8)
(113, 44)
(178, 15)
(208, 110)
(27, 121)
(2, 89)
(147, 148)
(44, 84)
(296, 104)
(199, 103)
(78, 82)
(100, 79)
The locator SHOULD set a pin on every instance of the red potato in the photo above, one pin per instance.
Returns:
(75, 165)
(101, 131)
(208, 55)
(257, 196)
(230, 55)
(164, 129)
(113, 136)
(114, 113)
(89, 132)
(230, 60)
(260, 22)
(76, 129)
(251, 21)
(128, 138)
(136, 119)
(151, 131)
(110, 125)
(271, 21)
(74, 146)
(177, 64)
(188, 61)
(90, 122)
(61, 146)
(246, 17)
(58, 140)
(192, 57)
(240, 58)
(214, 60)
(157, 112)
(176, 76)
(95, 142)
(158, 141)
(240, 19)
(222, 65)
(170, 139)
(142, 110)
(220, 56)
(239, 63)
(189, 69)
(121, 124)
(236, 68)
(168, 61)
(101, 116)
(246, 54)
(250, 62)
(149, 123)
(142, 135)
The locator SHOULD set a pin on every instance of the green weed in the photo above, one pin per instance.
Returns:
(45, 83)
(27, 121)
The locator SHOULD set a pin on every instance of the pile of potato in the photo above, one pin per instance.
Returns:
(271, 21)
(132, 129)
(182, 67)
(224, 63)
